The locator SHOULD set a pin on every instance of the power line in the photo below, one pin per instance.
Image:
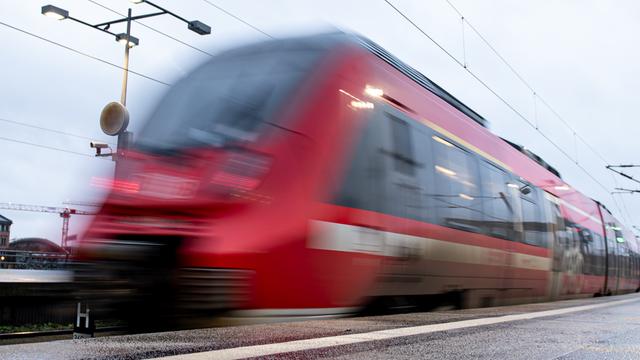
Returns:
(625, 175)
(521, 78)
(44, 146)
(464, 19)
(239, 19)
(624, 213)
(534, 93)
(81, 53)
(520, 115)
(425, 34)
(153, 29)
(624, 206)
(46, 129)
(628, 191)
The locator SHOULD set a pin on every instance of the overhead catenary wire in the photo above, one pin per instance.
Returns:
(625, 175)
(504, 101)
(624, 213)
(542, 100)
(464, 46)
(455, 59)
(68, 48)
(524, 82)
(144, 25)
(239, 19)
(534, 125)
(20, 123)
(44, 146)
(464, 65)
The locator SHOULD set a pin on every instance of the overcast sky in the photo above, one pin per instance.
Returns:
(580, 56)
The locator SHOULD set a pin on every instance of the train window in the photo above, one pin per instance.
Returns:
(599, 254)
(559, 233)
(533, 226)
(498, 208)
(409, 190)
(612, 248)
(619, 236)
(587, 249)
(456, 196)
(228, 99)
(363, 182)
(405, 181)
(402, 148)
(625, 261)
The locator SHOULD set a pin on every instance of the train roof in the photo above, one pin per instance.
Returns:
(434, 88)
(331, 39)
(328, 40)
(421, 79)
(533, 156)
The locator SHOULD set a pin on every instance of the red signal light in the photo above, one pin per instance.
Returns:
(242, 171)
(116, 185)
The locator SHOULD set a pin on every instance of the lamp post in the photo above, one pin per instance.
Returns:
(114, 118)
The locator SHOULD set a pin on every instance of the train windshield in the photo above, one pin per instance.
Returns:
(227, 99)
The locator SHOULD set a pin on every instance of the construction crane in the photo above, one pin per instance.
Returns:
(64, 212)
(82, 203)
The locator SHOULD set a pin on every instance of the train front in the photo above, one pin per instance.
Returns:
(209, 211)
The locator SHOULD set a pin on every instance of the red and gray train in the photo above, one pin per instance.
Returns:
(313, 175)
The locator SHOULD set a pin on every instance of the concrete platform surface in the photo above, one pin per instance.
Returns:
(594, 328)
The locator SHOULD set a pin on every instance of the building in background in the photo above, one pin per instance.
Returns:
(5, 229)
(33, 253)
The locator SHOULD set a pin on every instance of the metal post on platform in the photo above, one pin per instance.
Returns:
(84, 326)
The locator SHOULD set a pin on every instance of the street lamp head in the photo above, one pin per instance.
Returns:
(136, 1)
(55, 12)
(199, 27)
(122, 38)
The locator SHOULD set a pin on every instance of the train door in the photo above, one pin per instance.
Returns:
(456, 200)
(612, 258)
(558, 238)
(501, 213)
(368, 179)
(618, 241)
(513, 211)
(515, 190)
(401, 148)
(404, 166)
(362, 197)
(531, 258)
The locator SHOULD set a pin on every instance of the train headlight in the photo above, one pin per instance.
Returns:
(362, 104)
(373, 91)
